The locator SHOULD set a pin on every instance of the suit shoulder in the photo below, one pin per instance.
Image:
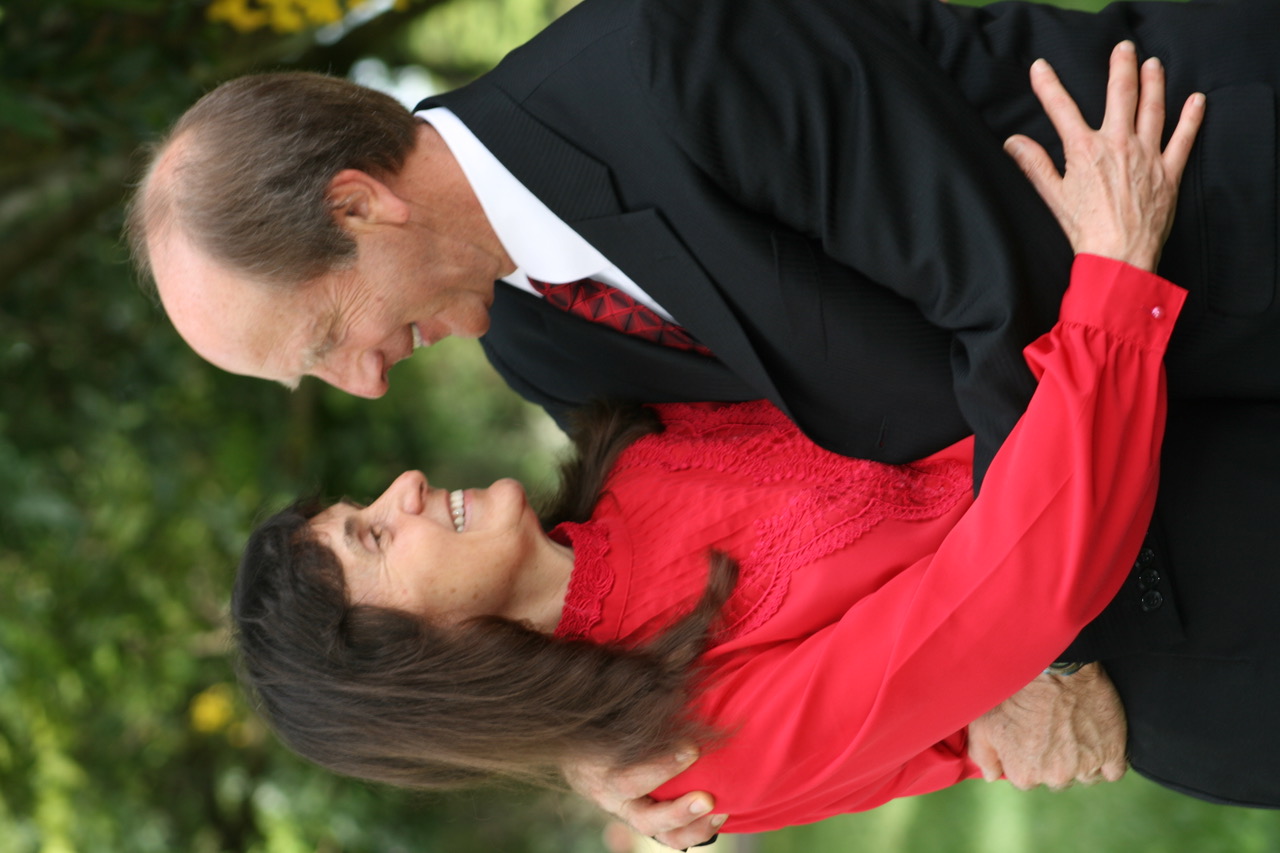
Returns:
(565, 41)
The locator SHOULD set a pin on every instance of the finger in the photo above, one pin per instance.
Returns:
(649, 817)
(694, 834)
(1122, 89)
(1151, 103)
(1058, 779)
(1183, 138)
(985, 755)
(631, 782)
(1058, 104)
(1024, 779)
(988, 762)
(1036, 164)
(1113, 771)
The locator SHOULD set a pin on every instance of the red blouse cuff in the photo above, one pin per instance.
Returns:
(1133, 304)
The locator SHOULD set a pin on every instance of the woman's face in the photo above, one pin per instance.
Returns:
(434, 553)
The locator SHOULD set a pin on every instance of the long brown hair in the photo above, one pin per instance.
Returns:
(385, 695)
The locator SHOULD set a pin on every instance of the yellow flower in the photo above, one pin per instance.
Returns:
(213, 709)
(238, 14)
(286, 16)
(324, 11)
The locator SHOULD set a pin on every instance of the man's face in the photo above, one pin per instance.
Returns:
(347, 327)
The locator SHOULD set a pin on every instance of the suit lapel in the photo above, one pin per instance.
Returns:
(580, 190)
(571, 184)
(644, 247)
(562, 361)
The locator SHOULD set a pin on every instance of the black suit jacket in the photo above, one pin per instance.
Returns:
(816, 189)
(806, 265)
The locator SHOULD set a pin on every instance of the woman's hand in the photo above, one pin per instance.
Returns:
(1117, 196)
(624, 793)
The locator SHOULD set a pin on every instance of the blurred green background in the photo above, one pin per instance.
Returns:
(131, 473)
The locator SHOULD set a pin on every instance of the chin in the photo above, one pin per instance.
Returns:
(508, 486)
(473, 330)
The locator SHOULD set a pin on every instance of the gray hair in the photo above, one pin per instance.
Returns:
(246, 171)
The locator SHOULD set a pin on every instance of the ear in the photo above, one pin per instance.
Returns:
(358, 201)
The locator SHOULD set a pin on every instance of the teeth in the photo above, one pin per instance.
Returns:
(418, 342)
(457, 509)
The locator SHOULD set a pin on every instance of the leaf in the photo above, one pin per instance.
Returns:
(25, 117)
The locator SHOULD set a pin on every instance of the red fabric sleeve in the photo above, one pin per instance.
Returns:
(874, 706)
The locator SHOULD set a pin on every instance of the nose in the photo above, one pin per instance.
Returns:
(363, 375)
(407, 493)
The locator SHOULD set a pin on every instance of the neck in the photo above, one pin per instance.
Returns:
(548, 585)
(443, 198)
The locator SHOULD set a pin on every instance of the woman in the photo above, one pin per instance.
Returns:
(826, 660)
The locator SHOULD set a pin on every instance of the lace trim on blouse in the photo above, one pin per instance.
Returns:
(836, 500)
(591, 580)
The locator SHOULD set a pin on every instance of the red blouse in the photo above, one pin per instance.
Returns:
(880, 608)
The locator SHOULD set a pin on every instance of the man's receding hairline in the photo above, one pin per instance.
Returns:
(155, 211)
(160, 214)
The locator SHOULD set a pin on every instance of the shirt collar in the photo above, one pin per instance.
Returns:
(537, 240)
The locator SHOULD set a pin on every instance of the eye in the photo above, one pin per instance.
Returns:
(375, 533)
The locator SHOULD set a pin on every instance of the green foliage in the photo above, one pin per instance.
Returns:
(1131, 815)
(131, 473)
(463, 38)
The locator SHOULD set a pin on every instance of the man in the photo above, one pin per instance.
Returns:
(811, 191)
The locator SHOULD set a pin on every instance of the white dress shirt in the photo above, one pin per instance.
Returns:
(538, 241)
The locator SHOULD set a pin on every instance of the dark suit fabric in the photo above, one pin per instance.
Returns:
(817, 191)
(1202, 711)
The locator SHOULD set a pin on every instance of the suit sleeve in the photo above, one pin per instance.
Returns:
(827, 117)
(874, 706)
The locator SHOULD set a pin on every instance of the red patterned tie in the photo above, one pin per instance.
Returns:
(600, 303)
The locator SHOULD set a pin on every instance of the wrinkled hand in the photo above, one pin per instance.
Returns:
(1117, 195)
(1055, 731)
(624, 793)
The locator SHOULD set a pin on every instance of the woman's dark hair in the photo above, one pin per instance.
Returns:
(384, 695)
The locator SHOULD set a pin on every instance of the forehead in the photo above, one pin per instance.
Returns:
(335, 528)
(238, 325)
(329, 526)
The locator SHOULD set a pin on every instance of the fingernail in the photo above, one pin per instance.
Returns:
(1126, 46)
(718, 820)
(1198, 99)
(1012, 144)
(1154, 61)
(686, 757)
(1040, 65)
(699, 807)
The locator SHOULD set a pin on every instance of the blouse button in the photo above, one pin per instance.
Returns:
(1157, 312)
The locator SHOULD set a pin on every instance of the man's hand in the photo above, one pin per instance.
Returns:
(1116, 198)
(624, 793)
(1055, 731)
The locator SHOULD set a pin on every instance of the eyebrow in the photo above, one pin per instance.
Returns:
(316, 352)
(349, 533)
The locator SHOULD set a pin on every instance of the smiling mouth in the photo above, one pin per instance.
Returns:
(458, 510)
(418, 340)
